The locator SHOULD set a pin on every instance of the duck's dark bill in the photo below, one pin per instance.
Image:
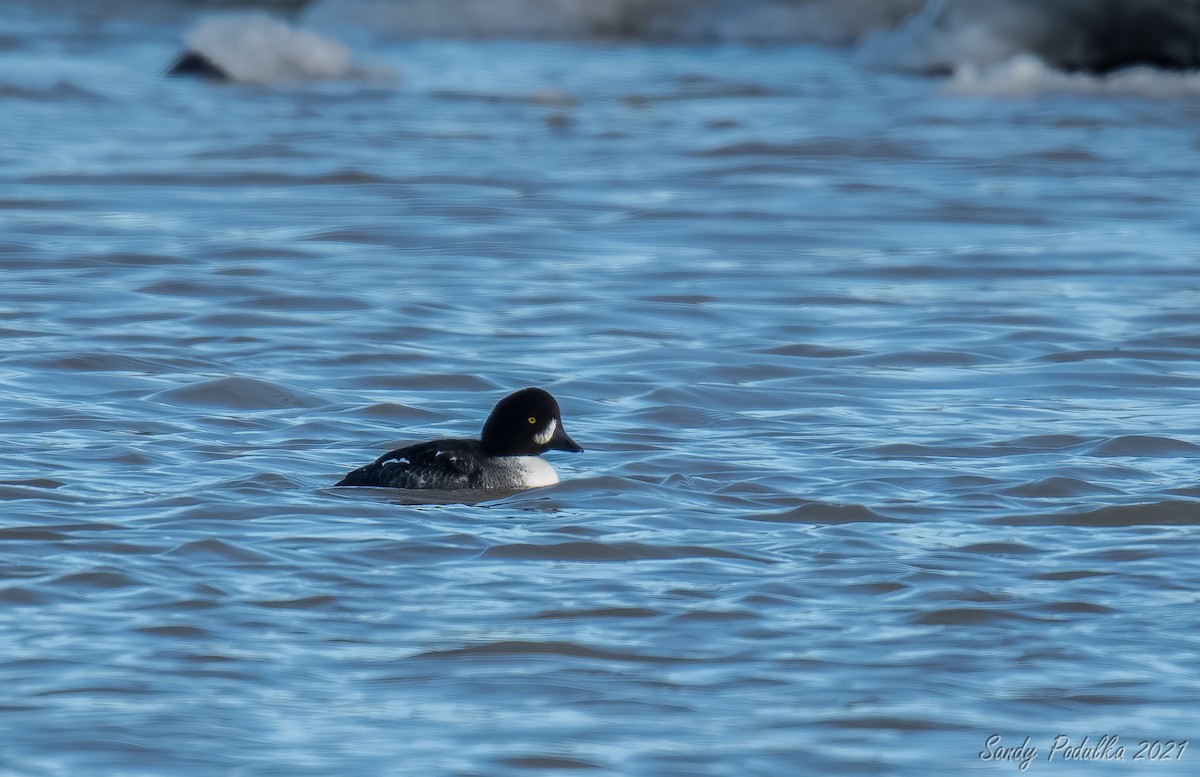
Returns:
(561, 442)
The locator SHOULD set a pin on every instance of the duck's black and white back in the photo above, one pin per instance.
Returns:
(522, 426)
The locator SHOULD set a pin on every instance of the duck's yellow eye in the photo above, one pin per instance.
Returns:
(531, 420)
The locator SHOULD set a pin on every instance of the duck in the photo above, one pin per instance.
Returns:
(506, 457)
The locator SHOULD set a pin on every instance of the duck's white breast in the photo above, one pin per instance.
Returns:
(535, 471)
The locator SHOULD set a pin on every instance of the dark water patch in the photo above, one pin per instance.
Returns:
(216, 550)
(364, 235)
(599, 612)
(700, 86)
(879, 589)
(548, 97)
(999, 548)
(100, 691)
(825, 148)
(905, 450)
(812, 351)
(1150, 356)
(140, 259)
(1059, 487)
(1105, 699)
(973, 595)
(1058, 155)
(392, 411)
(1174, 342)
(320, 601)
(203, 289)
(699, 216)
(1189, 491)
(1069, 575)
(538, 762)
(209, 657)
(177, 630)
(530, 649)
(1045, 442)
(411, 336)
(19, 594)
(900, 723)
(714, 616)
(414, 497)
(117, 548)
(21, 572)
(97, 580)
(675, 407)
(1161, 513)
(927, 358)
(305, 302)
(968, 616)
(11, 333)
(1076, 608)
(105, 361)
(612, 551)
(1145, 445)
(682, 299)
(1057, 443)
(13, 493)
(442, 383)
(234, 180)
(250, 150)
(11, 204)
(238, 393)
(266, 482)
(1120, 555)
(824, 513)
(57, 91)
(389, 551)
(18, 533)
(6, 707)
(35, 483)
(189, 605)
(239, 321)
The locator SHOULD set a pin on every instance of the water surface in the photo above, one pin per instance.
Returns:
(888, 392)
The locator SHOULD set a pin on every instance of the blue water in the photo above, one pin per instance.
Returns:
(888, 390)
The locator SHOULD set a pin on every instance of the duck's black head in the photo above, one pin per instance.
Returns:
(526, 423)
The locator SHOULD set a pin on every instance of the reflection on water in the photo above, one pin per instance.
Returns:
(887, 396)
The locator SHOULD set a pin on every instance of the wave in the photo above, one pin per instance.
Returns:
(260, 49)
(1096, 37)
(1026, 75)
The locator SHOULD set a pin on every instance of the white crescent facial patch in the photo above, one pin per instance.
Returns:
(543, 437)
